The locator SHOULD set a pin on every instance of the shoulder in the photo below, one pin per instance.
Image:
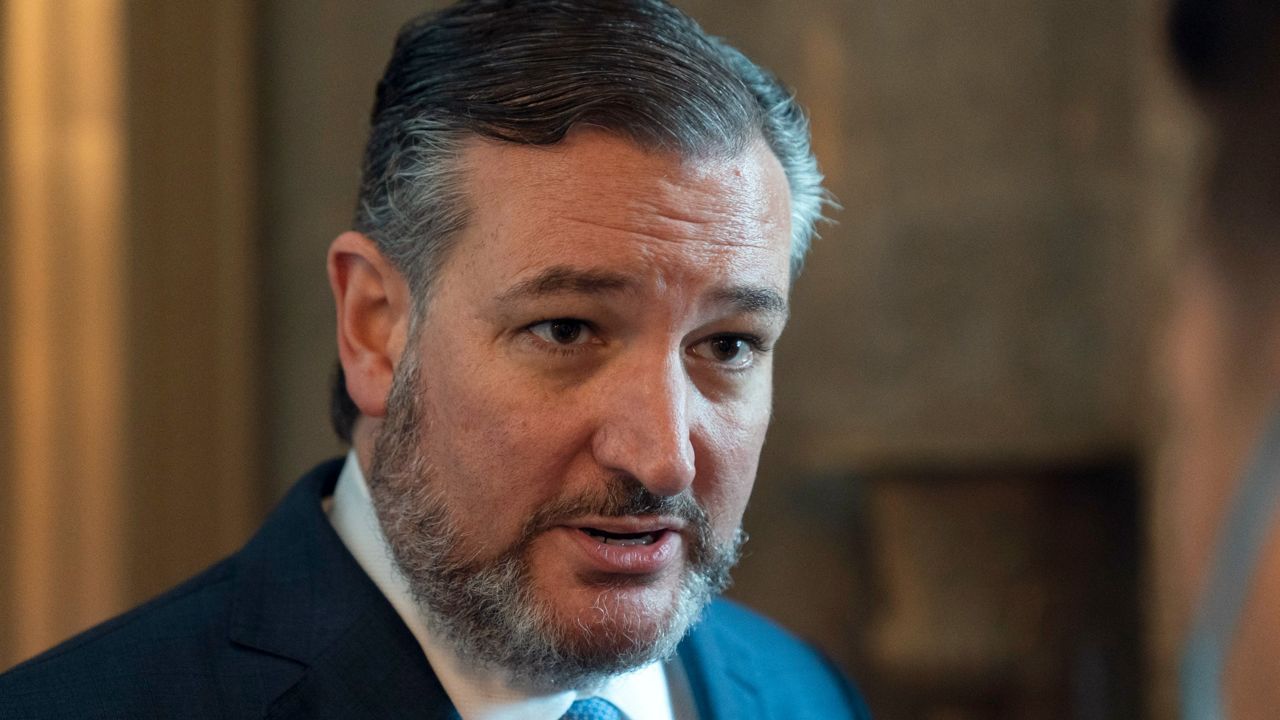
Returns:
(179, 654)
(767, 637)
(791, 677)
(138, 659)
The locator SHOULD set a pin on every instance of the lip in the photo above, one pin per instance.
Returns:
(601, 557)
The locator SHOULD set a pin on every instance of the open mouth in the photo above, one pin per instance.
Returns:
(624, 539)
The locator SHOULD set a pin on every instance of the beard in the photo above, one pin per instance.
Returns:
(489, 610)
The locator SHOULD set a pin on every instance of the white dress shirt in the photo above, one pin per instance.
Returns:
(653, 692)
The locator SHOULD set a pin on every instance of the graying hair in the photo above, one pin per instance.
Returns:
(529, 71)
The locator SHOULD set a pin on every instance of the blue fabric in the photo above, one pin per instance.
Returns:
(593, 709)
(290, 627)
(1235, 559)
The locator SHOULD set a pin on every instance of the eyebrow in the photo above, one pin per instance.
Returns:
(751, 299)
(562, 279)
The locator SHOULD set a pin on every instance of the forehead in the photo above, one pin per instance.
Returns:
(595, 198)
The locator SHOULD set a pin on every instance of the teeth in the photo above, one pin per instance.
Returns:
(628, 542)
(623, 540)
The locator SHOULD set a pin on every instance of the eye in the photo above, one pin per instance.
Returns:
(733, 351)
(563, 331)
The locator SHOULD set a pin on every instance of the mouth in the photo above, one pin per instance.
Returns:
(633, 545)
(624, 539)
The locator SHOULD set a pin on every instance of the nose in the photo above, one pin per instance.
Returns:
(644, 426)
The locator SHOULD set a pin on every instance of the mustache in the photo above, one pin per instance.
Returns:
(623, 496)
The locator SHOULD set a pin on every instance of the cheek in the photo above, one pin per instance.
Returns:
(501, 450)
(727, 461)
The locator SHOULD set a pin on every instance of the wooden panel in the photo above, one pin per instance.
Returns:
(8, 511)
(979, 593)
(192, 374)
(66, 346)
(129, 281)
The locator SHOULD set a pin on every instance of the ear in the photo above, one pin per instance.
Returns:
(373, 304)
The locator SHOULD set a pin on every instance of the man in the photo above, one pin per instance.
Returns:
(1226, 386)
(577, 229)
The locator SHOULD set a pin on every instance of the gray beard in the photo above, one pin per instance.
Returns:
(487, 610)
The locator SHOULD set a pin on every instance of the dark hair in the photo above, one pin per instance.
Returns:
(1226, 49)
(1226, 52)
(528, 71)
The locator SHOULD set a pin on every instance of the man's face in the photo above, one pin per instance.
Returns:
(575, 427)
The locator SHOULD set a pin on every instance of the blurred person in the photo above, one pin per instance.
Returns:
(576, 233)
(1226, 387)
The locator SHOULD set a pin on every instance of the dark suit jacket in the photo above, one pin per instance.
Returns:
(291, 627)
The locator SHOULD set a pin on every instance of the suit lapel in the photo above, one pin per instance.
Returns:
(376, 670)
(723, 688)
(301, 595)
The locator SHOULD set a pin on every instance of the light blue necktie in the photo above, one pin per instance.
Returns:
(592, 709)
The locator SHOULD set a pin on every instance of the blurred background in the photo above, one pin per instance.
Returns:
(965, 497)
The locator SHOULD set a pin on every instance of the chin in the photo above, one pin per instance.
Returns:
(620, 618)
